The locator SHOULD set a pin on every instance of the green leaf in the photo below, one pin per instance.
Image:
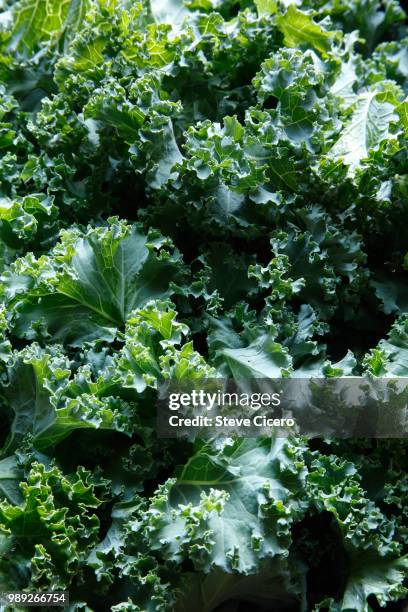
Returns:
(98, 278)
(402, 111)
(45, 21)
(299, 28)
(229, 508)
(37, 404)
(169, 11)
(263, 358)
(393, 294)
(266, 7)
(10, 478)
(390, 358)
(151, 333)
(26, 218)
(368, 127)
(54, 527)
(372, 575)
(276, 583)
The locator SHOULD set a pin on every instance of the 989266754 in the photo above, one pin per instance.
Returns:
(34, 598)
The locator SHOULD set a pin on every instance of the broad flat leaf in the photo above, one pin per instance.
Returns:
(283, 173)
(112, 273)
(343, 87)
(269, 587)
(264, 358)
(10, 478)
(37, 21)
(35, 399)
(65, 320)
(228, 274)
(169, 11)
(125, 118)
(100, 277)
(299, 28)
(372, 575)
(266, 7)
(31, 378)
(244, 498)
(393, 293)
(164, 153)
(367, 128)
(86, 412)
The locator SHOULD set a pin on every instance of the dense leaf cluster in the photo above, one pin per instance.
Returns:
(197, 189)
